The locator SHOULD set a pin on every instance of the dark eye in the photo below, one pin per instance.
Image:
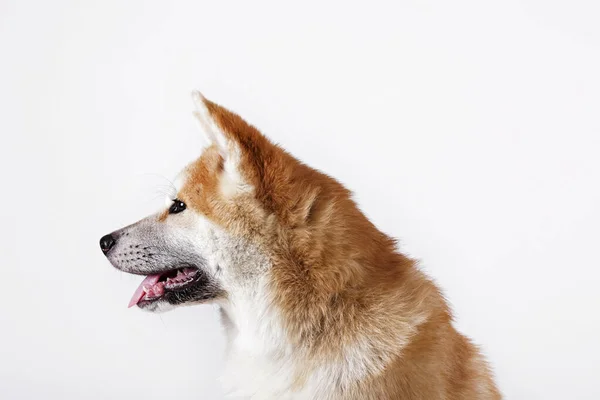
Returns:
(177, 207)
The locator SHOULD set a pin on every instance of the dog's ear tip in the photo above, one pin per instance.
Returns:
(200, 104)
(198, 97)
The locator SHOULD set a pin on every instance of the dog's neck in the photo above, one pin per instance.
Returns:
(260, 360)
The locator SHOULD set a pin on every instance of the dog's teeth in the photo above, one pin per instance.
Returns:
(146, 289)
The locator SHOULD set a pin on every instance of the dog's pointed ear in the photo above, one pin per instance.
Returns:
(246, 152)
(213, 134)
(213, 122)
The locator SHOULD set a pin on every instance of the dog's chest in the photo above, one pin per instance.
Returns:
(252, 372)
(260, 363)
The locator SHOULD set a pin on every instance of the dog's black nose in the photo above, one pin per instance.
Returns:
(107, 242)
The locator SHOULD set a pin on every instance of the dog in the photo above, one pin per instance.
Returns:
(315, 301)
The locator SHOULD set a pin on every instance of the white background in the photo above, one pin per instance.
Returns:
(468, 129)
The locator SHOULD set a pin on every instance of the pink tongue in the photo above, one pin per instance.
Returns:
(150, 281)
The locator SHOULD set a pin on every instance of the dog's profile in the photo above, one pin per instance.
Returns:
(316, 302)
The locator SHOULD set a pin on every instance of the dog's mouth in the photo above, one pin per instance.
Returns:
(154, 287)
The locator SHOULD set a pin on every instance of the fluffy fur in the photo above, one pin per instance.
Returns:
(317, 303)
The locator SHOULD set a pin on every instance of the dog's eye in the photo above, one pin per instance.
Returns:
(177, 207)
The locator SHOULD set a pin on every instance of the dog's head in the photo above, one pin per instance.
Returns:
(209, 239)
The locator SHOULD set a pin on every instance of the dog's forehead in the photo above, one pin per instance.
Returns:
(199, 173)
(194, 170)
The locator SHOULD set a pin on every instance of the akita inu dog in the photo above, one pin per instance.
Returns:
(316, 302)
